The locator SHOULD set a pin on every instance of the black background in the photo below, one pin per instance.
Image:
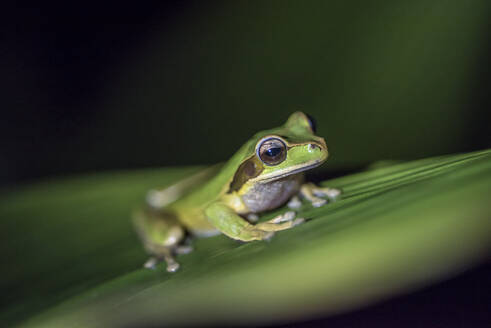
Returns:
(102, 87)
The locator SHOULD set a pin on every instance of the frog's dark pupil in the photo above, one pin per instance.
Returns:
(272, 152)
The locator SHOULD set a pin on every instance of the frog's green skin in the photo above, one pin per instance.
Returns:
(220, 198)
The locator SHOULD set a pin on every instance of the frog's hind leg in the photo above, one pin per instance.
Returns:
(161, 235)
(161, 254)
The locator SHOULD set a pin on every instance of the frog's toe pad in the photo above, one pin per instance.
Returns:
(184, 249)
(318, 202)
(173, 267)
(151, 263)
(268, 236)
(288, 216)
(298, 221)
(294, 203)
(285, 217)
(333, 193)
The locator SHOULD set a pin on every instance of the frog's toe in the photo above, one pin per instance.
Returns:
(298, 221)
(252, 217)
(318, 202)
(333, 193)
(172, 267)
(259, 232)
(151, 263)
(183, 249)
(268, 235)
(285, 217)
(294, 203)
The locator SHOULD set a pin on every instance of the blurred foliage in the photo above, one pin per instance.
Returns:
(74, 260)
(385, 80)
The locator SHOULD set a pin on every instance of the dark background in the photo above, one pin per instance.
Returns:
(103, 87)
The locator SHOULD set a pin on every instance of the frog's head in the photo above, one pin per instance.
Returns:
(289, 149)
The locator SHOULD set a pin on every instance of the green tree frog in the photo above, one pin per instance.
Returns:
(264, 174)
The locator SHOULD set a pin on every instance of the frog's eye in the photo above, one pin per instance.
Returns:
(272, 151)
(312, 123)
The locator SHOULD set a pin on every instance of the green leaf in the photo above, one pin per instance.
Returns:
(71, 257)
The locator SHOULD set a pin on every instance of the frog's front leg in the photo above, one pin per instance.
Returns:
(313, 194)
(234, 226)
(283, 221)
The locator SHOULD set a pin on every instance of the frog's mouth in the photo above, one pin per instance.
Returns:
(292, 170)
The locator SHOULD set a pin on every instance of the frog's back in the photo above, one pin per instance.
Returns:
(189, 198)
(216, 184)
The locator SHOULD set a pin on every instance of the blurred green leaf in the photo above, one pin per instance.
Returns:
(71, 258)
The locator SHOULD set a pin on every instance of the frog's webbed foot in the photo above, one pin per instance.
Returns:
(152, 262)
(172, 265)
(162, 237)
(331, 193)
(283, 221)
(294, 203)
(313, 194)
(166, 254)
